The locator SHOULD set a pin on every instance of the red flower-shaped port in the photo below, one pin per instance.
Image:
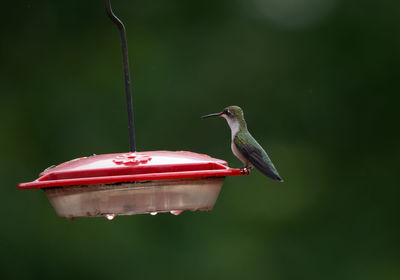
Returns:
(131, 159)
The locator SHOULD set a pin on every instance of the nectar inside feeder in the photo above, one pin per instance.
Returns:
(133, 183)
(136, 182)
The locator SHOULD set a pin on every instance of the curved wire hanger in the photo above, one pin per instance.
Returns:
(127, 79)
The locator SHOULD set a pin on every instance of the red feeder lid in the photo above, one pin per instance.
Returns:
(130, 167)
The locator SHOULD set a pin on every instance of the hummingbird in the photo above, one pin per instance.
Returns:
(243, 145)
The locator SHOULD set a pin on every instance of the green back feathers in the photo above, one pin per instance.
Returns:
(253, 151)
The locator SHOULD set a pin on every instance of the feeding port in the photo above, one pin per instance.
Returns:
(134, 183)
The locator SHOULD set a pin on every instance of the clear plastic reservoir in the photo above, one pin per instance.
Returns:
(153, 197)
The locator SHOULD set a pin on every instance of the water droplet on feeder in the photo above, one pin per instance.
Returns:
(176, 212)
(153, 213)
(110, 217)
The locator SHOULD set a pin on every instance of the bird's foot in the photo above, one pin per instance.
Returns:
(245, 170)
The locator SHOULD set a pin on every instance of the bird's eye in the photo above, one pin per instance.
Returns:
(226, 112)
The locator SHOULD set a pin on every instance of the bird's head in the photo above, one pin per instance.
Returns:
(233, 115)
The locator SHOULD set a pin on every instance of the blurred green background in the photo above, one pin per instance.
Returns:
(319, 84)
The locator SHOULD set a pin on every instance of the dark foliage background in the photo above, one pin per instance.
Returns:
(319, 84)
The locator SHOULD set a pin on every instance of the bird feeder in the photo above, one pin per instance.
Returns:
(135, 182)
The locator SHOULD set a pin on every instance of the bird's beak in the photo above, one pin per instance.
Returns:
(212, 115)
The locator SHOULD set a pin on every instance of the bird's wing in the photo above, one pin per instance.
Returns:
(249, 147)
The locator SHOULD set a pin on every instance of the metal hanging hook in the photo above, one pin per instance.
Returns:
(128, 91)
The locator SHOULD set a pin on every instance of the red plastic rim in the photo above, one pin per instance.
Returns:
(130, 167)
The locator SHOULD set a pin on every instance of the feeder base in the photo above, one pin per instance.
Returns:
(132, 198)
